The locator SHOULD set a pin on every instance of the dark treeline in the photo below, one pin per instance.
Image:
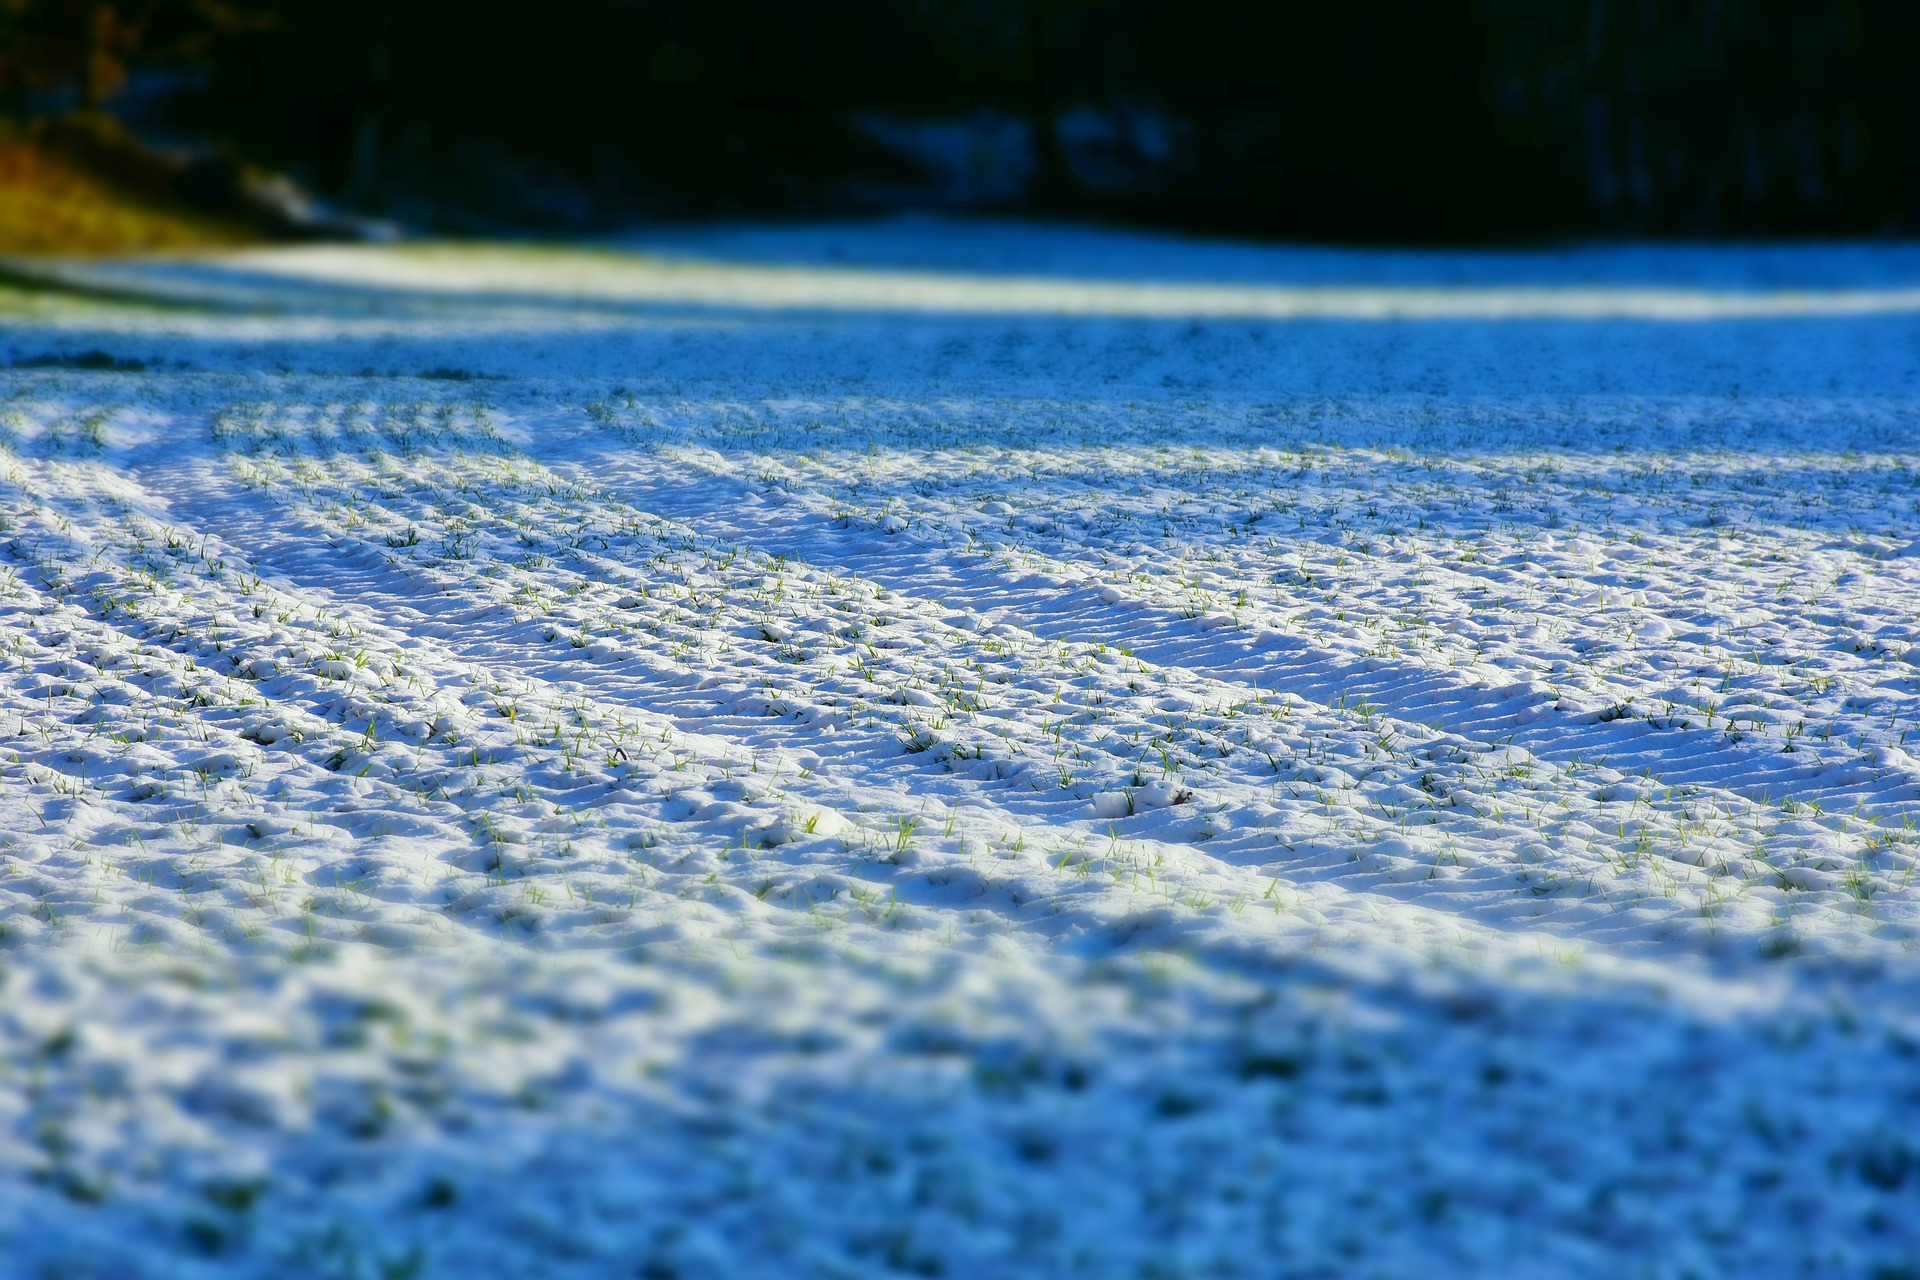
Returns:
(1373, 119)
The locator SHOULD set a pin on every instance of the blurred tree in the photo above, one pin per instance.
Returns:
(1375, 119)
(90, 44)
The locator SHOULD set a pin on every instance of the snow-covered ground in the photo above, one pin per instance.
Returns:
(961, 750)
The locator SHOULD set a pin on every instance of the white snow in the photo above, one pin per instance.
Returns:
(961, 749)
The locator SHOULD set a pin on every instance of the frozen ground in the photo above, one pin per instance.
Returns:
(963, 751)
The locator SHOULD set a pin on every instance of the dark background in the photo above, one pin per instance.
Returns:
(1362, 120)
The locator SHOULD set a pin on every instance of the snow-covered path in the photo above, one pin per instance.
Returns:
(990, 751)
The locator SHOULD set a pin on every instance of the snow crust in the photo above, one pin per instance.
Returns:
(961, 749)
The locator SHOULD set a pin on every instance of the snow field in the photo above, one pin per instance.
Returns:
(499, 783)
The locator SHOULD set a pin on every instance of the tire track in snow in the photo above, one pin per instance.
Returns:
(365, 580)
(1060, 606)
